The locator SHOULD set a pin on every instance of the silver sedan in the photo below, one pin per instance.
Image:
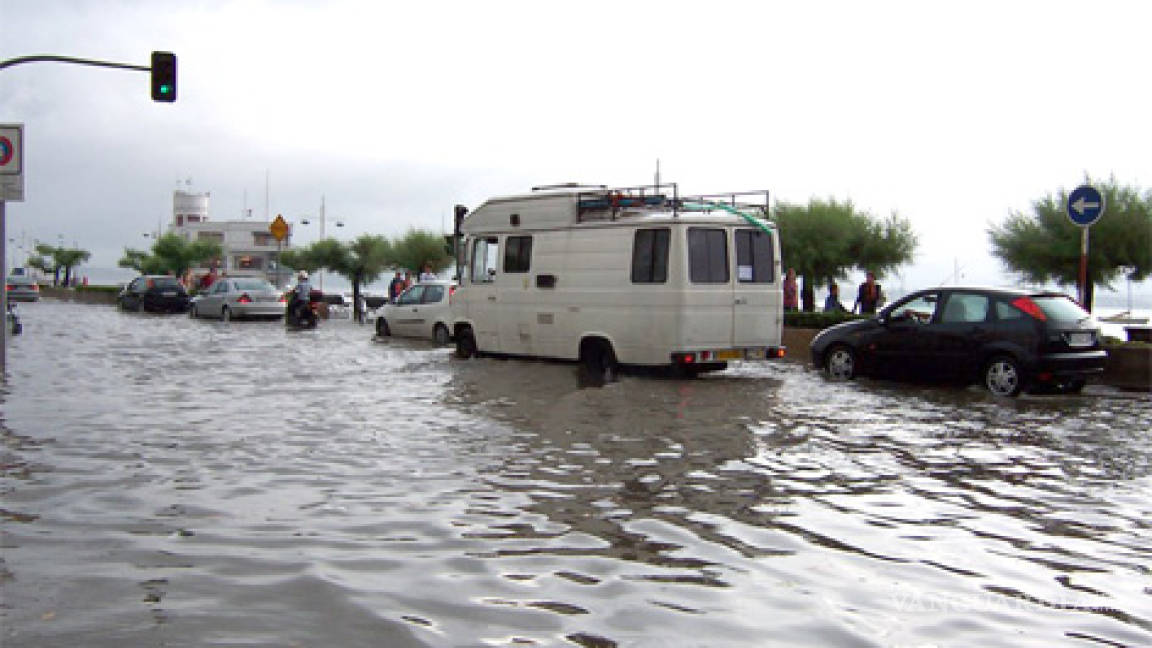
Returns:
(237, 298)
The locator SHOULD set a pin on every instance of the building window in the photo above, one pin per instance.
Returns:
(754, 258)
(263, 238)
(650, 256)
(179, 220)
(517, 253)
(707, 255)
(193, 219)
(215, 237)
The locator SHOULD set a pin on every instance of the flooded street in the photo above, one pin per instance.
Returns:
(175, 482)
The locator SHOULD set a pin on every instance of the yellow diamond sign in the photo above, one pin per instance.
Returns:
(279, 228)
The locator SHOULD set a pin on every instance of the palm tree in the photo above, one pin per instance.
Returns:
(360, 261)
(69, 259)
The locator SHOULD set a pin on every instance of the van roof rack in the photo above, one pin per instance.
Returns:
(568, 185)
(604, 203)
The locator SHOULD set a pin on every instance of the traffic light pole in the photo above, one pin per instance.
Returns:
(163, 69)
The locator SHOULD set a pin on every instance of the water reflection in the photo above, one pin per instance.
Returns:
(196, 482)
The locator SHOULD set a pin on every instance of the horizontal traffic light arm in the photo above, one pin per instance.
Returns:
(71, 59)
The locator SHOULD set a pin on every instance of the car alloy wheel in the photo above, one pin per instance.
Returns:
(1002, 377)
(840, 363)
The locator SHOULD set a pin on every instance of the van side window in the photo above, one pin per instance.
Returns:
(650, 256)
(484, 256)
(517, 253)
(754, 258)
(707, 255)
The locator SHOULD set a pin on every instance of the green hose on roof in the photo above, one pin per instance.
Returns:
(711, 205)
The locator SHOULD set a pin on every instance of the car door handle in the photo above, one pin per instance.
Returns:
(491, 297)
(741, 300)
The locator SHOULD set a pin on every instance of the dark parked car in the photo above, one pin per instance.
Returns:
(1008, 340)
(156, 293)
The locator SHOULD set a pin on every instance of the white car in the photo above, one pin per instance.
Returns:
(422, 311)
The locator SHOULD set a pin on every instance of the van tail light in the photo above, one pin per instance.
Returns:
(244, 299)
(1028, 306)
(683, 358)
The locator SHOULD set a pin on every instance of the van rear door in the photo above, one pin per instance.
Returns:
(709, 308)
(757, 301)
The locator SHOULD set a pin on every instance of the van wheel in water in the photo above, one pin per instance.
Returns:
(465, 344)
(440, 334)
(382, 327)
(1002, 376)
(599, 360)
(840, 363)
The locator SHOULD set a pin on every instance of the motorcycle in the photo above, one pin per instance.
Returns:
(14, 325)
(301, 314)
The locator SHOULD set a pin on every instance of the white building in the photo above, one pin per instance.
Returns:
(249, 247)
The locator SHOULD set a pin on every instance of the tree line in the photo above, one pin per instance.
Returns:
(823, 240)
(361, 260)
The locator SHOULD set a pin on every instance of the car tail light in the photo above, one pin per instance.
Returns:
(9, 287)
(36, 287)
(283, 298)
(150, 284)
(1028, 306)
(244, 299)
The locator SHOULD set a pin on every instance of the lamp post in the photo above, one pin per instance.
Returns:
(323, 219)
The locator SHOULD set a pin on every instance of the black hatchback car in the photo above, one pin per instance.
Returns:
(1008, 340)
(155, 293)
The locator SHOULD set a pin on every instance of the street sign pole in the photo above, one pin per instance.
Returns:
(1084, 266)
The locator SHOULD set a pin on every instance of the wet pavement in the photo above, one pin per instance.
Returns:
(175, 482)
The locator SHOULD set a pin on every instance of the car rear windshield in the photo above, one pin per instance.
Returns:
(1059, 308)
(166, 282)
(254, 284)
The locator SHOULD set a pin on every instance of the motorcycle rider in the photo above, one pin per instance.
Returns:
(300, 295)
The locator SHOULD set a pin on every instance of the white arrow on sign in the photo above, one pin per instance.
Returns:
(1080, 205)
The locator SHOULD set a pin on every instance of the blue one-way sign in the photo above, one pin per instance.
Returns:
(1085, 205)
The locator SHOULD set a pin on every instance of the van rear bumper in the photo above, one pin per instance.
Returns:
(703, 356)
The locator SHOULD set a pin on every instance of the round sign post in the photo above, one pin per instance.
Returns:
(1085, 207)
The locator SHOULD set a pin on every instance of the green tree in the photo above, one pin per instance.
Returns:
(69, 259)
(170, 253)
(825, 239)
(418, 248)
(47, 259)
(361, 261)
(1044, 246)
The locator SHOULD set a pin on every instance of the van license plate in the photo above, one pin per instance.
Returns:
(730, 354)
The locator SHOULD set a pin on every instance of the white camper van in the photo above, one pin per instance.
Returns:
(629, 275)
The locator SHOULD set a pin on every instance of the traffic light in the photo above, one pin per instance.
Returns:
(163, 76)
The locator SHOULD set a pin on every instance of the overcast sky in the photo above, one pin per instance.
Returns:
(950, 114)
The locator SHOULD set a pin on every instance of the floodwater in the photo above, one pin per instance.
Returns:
(176, 482)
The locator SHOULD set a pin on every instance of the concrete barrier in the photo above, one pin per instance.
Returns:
(80, 295)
